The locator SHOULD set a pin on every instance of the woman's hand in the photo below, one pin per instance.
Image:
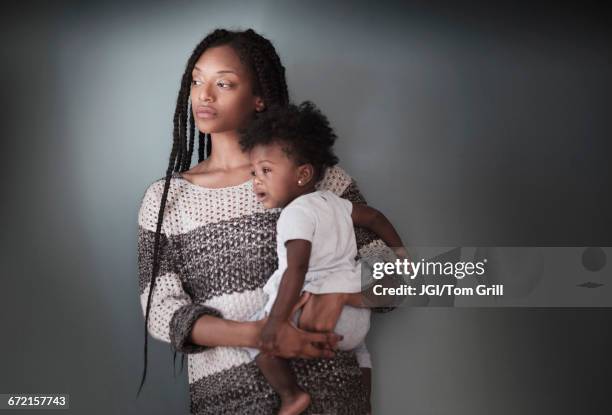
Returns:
(290, 342)
(321, 311)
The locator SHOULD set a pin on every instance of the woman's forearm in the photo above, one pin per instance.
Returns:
(214, 331)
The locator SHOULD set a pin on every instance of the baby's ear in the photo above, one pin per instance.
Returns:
(305, 174)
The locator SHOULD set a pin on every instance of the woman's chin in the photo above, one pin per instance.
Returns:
(211, 126)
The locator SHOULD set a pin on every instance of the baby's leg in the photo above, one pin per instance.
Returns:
(278, 374)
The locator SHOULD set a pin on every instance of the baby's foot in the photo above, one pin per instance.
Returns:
(294, 404)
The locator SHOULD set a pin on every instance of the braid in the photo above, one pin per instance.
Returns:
(187, 161)
(183, 132)
(208, 145)
(268, 69)
(179, 124)
(268, 81)
(201, 144)
(173, 157)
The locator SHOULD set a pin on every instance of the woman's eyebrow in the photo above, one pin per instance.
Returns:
(223, 71)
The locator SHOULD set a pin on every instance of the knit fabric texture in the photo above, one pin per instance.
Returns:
(218, 248)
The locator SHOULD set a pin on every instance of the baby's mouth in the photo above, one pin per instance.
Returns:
(261, 196)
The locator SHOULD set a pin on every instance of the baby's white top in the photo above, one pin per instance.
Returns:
(324, 219)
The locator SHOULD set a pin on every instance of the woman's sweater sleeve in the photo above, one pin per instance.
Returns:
(368, 243)
(172, 312)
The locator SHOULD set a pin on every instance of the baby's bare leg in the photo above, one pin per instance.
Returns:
(278, 374)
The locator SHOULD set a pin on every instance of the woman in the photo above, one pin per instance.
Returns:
(206, 245)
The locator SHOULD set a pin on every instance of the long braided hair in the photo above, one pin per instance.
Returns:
(268, 76)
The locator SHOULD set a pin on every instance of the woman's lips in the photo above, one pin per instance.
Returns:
(205, 112)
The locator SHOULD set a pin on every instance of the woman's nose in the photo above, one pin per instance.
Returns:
(205, 92)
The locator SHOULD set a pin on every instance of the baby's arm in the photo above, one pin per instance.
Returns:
(298, 256)
(373, 220)
(370, 218)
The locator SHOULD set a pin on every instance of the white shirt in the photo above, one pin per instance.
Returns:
(324, 219)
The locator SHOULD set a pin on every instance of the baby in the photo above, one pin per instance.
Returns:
(290, 148)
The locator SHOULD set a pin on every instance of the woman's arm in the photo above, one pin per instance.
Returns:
(171, 310)
(294, 343)
(212, 331)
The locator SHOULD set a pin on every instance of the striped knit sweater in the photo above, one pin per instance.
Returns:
(217, 252)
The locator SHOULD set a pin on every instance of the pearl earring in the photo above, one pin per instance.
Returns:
(300, 182)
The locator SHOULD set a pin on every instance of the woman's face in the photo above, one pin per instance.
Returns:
(222, 91)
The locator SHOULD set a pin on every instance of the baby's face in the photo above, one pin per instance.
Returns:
(275, 176)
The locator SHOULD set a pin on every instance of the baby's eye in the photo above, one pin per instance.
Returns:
(253, 173)
(266, 170)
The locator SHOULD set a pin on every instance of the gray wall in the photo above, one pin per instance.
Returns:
(485, 126)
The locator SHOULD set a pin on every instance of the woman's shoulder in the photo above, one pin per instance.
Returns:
(338, 181)
(154, 190)
(151, 201)
(188, 205)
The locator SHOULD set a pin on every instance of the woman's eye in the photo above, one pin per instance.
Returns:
(224, 84)
(195, 82)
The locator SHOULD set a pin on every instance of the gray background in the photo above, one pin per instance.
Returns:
(467, 126)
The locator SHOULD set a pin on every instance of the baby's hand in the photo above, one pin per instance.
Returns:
(401, 252)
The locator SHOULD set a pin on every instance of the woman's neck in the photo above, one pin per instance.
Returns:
(226, 153)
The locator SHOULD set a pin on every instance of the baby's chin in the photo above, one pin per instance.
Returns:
(271, 205)
(268, 203)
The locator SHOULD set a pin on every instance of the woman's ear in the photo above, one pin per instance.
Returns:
(305, 174)
(259, 104)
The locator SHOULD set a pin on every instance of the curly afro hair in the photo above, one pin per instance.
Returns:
(302, 131)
